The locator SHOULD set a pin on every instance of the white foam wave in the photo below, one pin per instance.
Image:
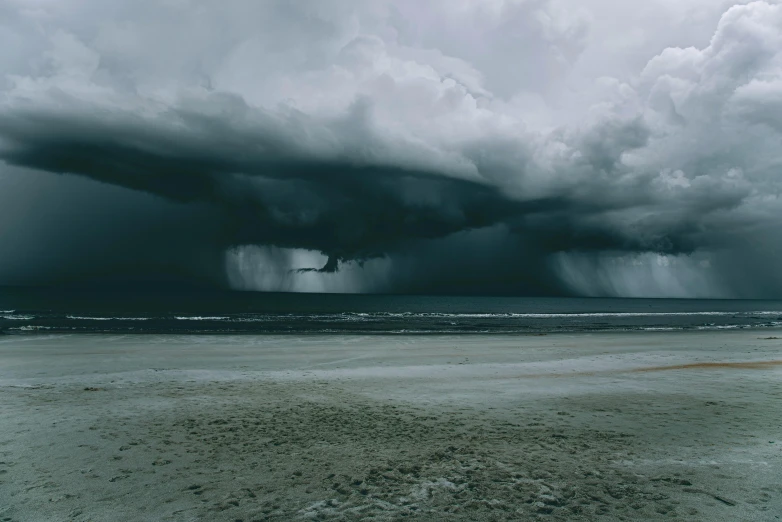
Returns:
(30, 328)
(202, 318)
(580, 314)
(11, 317)
(90, 318)
(368, 316)
(660, 329)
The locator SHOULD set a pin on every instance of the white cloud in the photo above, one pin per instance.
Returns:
(654, 129)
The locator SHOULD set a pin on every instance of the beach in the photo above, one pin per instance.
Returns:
(655, 425)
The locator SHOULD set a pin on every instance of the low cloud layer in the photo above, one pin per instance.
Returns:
(457, 147)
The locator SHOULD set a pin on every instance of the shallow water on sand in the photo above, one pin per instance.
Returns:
(589, 426)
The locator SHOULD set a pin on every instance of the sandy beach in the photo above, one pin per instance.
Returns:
(613, 426)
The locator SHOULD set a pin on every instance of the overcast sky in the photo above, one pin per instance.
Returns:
(587, 147)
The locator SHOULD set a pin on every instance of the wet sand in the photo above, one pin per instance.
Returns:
(615, 426)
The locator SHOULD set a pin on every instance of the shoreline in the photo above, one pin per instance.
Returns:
(32, 331)
(615, 425)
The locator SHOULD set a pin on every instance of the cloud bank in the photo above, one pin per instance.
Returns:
(500, 146)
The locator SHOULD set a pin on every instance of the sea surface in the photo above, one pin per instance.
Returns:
(26, 310)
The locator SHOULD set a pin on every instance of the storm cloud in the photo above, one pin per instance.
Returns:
(510, 146)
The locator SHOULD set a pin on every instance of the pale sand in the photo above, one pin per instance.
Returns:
(635, 426)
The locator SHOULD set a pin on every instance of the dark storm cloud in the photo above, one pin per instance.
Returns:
(262, 182)
(352, 136)
(58, 229)
(289, 182)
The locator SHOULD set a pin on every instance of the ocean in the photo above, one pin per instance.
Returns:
(38, 310)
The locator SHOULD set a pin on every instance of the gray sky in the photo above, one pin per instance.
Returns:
(590, 147)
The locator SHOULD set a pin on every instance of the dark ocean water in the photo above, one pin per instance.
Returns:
(141, 311)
